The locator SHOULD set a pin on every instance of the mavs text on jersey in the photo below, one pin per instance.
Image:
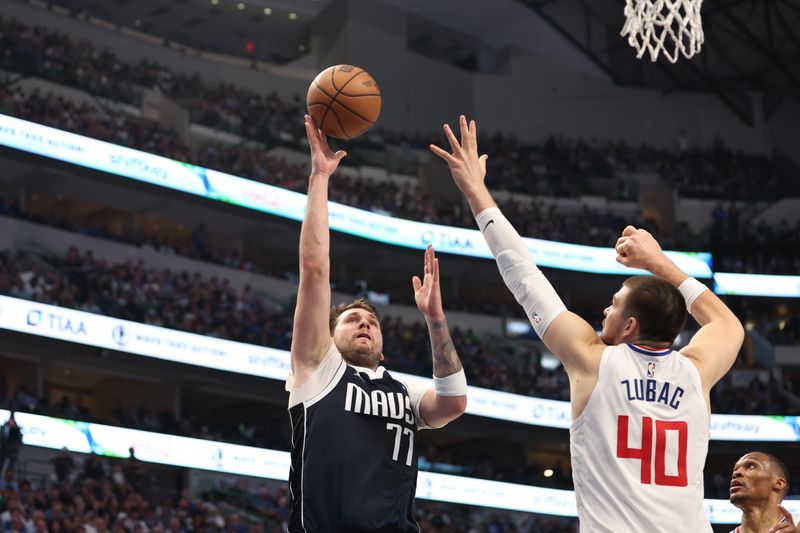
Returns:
(354, 453)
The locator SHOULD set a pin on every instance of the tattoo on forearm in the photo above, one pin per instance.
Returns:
(445, 358)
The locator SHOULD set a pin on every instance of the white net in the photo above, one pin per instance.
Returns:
(673, 27)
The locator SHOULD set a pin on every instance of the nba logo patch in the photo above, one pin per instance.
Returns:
(536, 318)
(651, 369)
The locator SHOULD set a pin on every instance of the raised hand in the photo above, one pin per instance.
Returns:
(786, 525)
(427, 292)
(323, 160)
(637, 248)
(467, 168)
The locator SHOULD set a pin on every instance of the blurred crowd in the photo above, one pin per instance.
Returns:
(558, 167)
(95, 494)
(191, 302)
(161, 297)
(115, 495)
(436, 517)
(751, 398)
(108, 496)
(736, 247)
(212, 306)
(755, 248)
(584, 226)
(269, 431)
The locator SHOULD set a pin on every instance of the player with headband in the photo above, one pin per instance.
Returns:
(640, 410)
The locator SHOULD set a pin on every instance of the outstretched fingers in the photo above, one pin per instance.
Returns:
(469, 141)
(428, 262)
(451, 138)
(465, 142)
(441, 153)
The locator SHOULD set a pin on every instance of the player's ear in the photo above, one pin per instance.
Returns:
(631, 326)
(779, 485)
(382, 357)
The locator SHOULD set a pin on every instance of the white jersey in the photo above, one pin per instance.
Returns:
(639, 447)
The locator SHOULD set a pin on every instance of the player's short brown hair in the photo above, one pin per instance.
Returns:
(658, 307)
(361, 303)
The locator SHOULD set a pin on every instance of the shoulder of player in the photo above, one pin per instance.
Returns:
(693, 355)
(305, 369)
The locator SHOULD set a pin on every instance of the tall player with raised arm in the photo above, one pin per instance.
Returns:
(640, 410)
(354, 426)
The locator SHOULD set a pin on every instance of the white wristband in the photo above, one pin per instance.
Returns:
(691, 289)
(452, 385)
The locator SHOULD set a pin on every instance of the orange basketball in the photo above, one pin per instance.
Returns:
(344, 101)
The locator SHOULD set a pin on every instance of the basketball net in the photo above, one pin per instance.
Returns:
(670, 26)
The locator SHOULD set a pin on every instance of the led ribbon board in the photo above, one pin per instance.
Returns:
(208, 352)
(164, 172)
(757, 285)
(112, 441)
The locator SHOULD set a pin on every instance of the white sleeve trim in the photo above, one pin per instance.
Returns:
(331, 365)
(416, 392)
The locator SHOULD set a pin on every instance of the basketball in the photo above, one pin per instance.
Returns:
(344, 101)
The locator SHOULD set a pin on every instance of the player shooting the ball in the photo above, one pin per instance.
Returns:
(354, 426)
(640, 410)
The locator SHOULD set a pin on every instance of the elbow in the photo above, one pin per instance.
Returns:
(448, 408)
(733, 326)
(737, 329)
(461, 405)
(456, 406)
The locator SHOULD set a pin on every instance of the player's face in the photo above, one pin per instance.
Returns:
(752, 479)
(358, 337)
(614, 324)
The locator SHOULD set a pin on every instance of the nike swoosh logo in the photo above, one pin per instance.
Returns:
(487, 224)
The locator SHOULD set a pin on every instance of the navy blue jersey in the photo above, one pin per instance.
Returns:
(354, 453)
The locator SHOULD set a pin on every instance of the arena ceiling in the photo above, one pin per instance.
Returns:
(751, 46)
(276, 29)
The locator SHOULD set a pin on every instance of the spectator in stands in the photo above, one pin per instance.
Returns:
(10, 443)
(63, 465)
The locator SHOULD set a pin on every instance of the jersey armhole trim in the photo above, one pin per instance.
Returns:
(337, 376)
(420, 422)
(318, 380)
(697, 379)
